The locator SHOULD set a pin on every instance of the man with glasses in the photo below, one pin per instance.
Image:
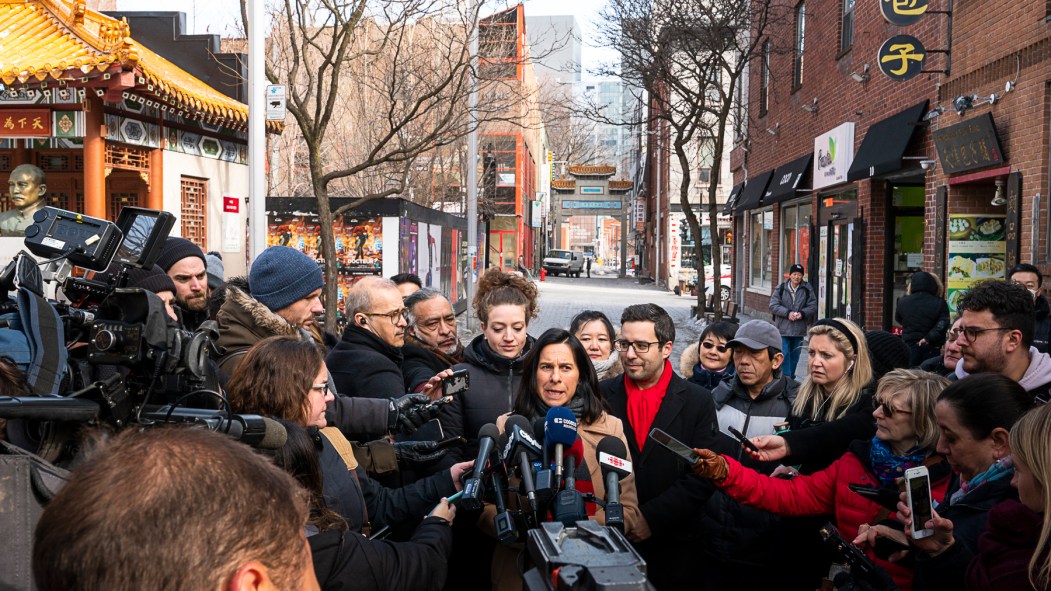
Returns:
(1029, 277)
(432, 344)
(650, 395)
(995, 335)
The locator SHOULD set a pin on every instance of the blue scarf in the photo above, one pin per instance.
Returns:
(889, 467)
(1001, 468)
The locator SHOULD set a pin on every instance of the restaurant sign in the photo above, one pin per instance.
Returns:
(969, 145)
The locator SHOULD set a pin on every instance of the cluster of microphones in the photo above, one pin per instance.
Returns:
(543, 458)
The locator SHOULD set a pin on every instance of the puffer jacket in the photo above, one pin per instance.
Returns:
(923, 314)
(690, 368)
(827, 491)
(494, 382)
(736, 532)
(781, 303)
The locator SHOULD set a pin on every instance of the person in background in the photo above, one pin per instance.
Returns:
(1029, 277)
(594, 330)
(216, 274)
(709, 361)
(587, 265)
(793, 304)
(432, 344)
(946, 363)
(184, 262)
(924, 318)
(407, 283)
(887, 352)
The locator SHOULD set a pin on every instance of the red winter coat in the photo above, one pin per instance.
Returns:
(823, 492)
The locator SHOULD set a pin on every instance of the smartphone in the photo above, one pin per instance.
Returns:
(918, 487)
(457, 383)
(675, 446)
(744, 440)
(450, 441)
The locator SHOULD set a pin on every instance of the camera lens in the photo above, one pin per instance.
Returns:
(105, 340)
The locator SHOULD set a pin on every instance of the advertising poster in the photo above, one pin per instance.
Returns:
(977, 251)
(434, 257)
(413, 251)
(404, 244)
(422, 259)
(448, 285)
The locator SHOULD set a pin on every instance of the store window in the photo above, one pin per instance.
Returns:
(760, 259)
(795, 236)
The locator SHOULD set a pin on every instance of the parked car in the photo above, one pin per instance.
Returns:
(566, 262)
(688, 277)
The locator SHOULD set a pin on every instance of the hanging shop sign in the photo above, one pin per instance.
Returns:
(977, 251)
(902, 57)
(969, 145)
(902, 13)
(833, 154)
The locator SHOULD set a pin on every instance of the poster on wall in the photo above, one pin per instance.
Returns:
(414, 228)
(977, 251)
(822, 265)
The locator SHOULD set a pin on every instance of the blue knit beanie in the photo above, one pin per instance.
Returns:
(282, 275)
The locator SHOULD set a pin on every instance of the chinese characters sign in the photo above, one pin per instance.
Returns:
(25, 123)
(968, 145)
(903, 13)
(902, 57)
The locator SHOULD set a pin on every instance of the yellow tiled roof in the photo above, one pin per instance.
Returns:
(593, 170)
(61, 40)
(620, 185)
(563, 184)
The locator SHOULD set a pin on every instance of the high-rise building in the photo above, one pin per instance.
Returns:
(554, 47)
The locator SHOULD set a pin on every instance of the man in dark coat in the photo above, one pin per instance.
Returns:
(1029, 277)
(650, 395)
(432, 344)
(367, 360)
(924, 318)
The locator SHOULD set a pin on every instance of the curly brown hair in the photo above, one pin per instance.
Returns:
(274, 378)
(499, 288)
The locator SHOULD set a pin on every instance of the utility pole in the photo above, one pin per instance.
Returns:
(472, 166)
(256, 132)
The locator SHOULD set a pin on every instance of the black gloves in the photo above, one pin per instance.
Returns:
(418, 452)
(410, 412)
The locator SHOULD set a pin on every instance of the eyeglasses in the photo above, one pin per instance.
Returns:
(323, 388)
(972, 333)
(639, 346)
(719, 348)
(888, 410)
(393, 315)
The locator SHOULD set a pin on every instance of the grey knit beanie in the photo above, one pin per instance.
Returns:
(281, 275)
(216, 273)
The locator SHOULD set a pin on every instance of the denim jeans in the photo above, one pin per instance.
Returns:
(790, 347)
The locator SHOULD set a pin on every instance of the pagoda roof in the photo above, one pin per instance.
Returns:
(593, 170)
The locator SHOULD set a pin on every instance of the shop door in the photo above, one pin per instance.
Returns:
(841, 240)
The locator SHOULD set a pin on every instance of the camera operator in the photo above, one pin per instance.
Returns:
(174, 531)
(184, 262)
(285, 287)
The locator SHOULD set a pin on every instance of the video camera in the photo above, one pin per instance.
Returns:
(103, 352)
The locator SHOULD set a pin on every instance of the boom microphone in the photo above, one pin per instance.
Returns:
(612, 456)
(560, 428)
(473, 488)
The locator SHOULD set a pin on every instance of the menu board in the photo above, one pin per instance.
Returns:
(977, 251)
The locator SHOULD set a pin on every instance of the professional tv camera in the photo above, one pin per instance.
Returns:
(103, 352)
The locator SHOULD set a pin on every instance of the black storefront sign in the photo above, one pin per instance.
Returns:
(969, 145)
(1012, 236)
(901, 57)
(902, 13)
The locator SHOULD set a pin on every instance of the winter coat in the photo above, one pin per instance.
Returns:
(781, 303)
(364, 365)
(817, 443)
(494, 382)
(244, 321)
(345, 560)
(671, 497)
(1042, 325)
(1002, 559)
(421, 362)
(923, 314)
(736, 532)
(690, 368)
(1036, 380)
(937, 365)
(827, 491)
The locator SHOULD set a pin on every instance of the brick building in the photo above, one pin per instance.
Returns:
(865, 179)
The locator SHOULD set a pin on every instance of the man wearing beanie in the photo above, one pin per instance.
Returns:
(793, 304)
(184, 262)
(155, 280)
(285, 300)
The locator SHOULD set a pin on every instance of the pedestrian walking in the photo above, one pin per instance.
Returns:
(794, 307)
(587, 265)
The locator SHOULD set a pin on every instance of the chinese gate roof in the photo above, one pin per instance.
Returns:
(591, 170)
(61, 41)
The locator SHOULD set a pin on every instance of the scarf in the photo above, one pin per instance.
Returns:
(575, 404)
(644, 404)
(1001, 468)
(603, 367)
(889, 467)
(710, 379)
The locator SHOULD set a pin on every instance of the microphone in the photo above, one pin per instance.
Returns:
(611, 458)
(473, 488)
(254, 430)
(521, 446)
(569, 503)
(503, 521)
(560, 428)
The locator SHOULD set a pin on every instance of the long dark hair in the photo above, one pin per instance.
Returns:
(528, 403)
(986, 401)
(299, 457)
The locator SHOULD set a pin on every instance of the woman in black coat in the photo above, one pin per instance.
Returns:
(924, 318)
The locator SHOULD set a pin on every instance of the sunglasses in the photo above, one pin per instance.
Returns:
(719, 348)
(888, 410)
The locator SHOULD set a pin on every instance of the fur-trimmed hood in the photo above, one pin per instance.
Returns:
(688, 359)
(243, 322)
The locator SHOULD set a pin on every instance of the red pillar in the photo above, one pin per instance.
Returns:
(94, 160)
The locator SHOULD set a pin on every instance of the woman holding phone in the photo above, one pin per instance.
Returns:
(906, 434)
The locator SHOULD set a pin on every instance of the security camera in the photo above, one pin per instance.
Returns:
(927, 164)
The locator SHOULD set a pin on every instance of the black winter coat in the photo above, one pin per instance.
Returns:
(1042, 325)
(346, 560)
(364, 365)
(418, 365)
(671, 498)
(494, 382)
(923, 314)
(816, 444)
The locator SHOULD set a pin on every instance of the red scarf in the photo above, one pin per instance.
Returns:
(644, 404)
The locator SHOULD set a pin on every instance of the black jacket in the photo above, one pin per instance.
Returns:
(364, 365)
(1042, 325)
(346, 560)
(816, 444)
(923, 314)
(494, 382)
(419, 364)
(671, 498)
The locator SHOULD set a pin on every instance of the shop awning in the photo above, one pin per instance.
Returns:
(731, 201)
(787, 179)
(885, 144)
(753, 192)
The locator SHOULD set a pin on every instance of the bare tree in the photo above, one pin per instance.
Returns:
(690, 57)
(571, 136)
